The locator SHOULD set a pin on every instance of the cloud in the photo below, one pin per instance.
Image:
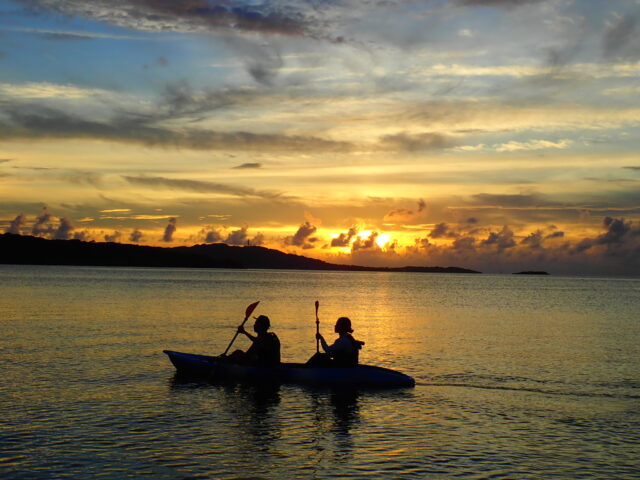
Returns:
(403, 213)
(415, 142)
(63, 232)
(442, 230)
(502, 240)
(555, 235)
(241, 237)
(497, 3)
(302, 237)
(136, 236)
(534, 240)
(169, 230)
(202, 187)
(16, 224)
(464, 243)
(238, 237)
(39, 122)
(43, 226)
(211, 235)
(114, 237)
(344, 239)
(509, 201)
(64, 36)
(367, 243)
(619, 35)
(267, 18)
(620, 239)
(514, 146)
(250, 165)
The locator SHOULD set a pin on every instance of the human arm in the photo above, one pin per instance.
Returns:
(242, 330)
(325, 347)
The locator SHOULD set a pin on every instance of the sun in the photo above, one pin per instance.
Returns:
(382, 239)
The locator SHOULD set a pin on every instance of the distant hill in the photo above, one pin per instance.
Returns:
(28, 250)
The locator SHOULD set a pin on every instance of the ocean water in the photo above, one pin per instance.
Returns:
(518, 377)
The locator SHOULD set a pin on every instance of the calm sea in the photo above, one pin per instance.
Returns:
(518, 377)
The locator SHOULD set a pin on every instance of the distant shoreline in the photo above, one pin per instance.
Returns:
(29, 250)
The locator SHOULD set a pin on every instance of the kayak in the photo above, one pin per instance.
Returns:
(219, 368)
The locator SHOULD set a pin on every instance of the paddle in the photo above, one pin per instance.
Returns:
(247, 314)
(317, 328)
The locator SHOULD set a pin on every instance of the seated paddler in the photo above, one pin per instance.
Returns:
(345, 350)
(265, 345)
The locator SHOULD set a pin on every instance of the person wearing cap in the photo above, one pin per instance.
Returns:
(265, 345)
(344, 351)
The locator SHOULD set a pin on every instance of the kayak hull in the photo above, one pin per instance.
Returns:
(216, 368)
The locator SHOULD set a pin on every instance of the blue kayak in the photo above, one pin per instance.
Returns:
(220, 368)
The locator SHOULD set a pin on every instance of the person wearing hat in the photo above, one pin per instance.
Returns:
(265, 345)
(344, 351)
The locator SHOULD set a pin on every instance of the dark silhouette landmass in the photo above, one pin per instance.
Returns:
(28, 250)
(531, 272)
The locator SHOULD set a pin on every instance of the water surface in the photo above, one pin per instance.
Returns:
(517, 376)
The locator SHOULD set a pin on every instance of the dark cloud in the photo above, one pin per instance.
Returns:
(619, 36)
(497, 3)
(534, 240)
(519, 200)
(63, 232)
(63, 36)
(43, 226)
(621, 239)
(82, 235)
(302, 237)
(368, 243)
(16, 224)
(617, 229)
(114, 237)
(135, 236)
(250, 165)
(213, 236)
(267, 18)
(422, 243)
(442, 230)
(169, 230)
(472, 220)
(502, 239)
(555, 235)
(241, 237)
(202, 187)
(37, 122)
(344, 239)
(404, 212)
(414, 143)
(632, 168)
(5, 160)
(464, 243)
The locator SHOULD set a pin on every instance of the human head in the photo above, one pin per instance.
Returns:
(261, 324)
(343, 325)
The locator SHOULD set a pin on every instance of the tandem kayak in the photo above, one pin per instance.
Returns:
(217, 368)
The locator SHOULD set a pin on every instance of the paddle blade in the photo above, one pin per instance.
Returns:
(250, 309)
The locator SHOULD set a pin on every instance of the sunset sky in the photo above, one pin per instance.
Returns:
(499, 135)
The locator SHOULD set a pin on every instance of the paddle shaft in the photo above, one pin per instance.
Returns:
(248, 312)
(317, 328)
